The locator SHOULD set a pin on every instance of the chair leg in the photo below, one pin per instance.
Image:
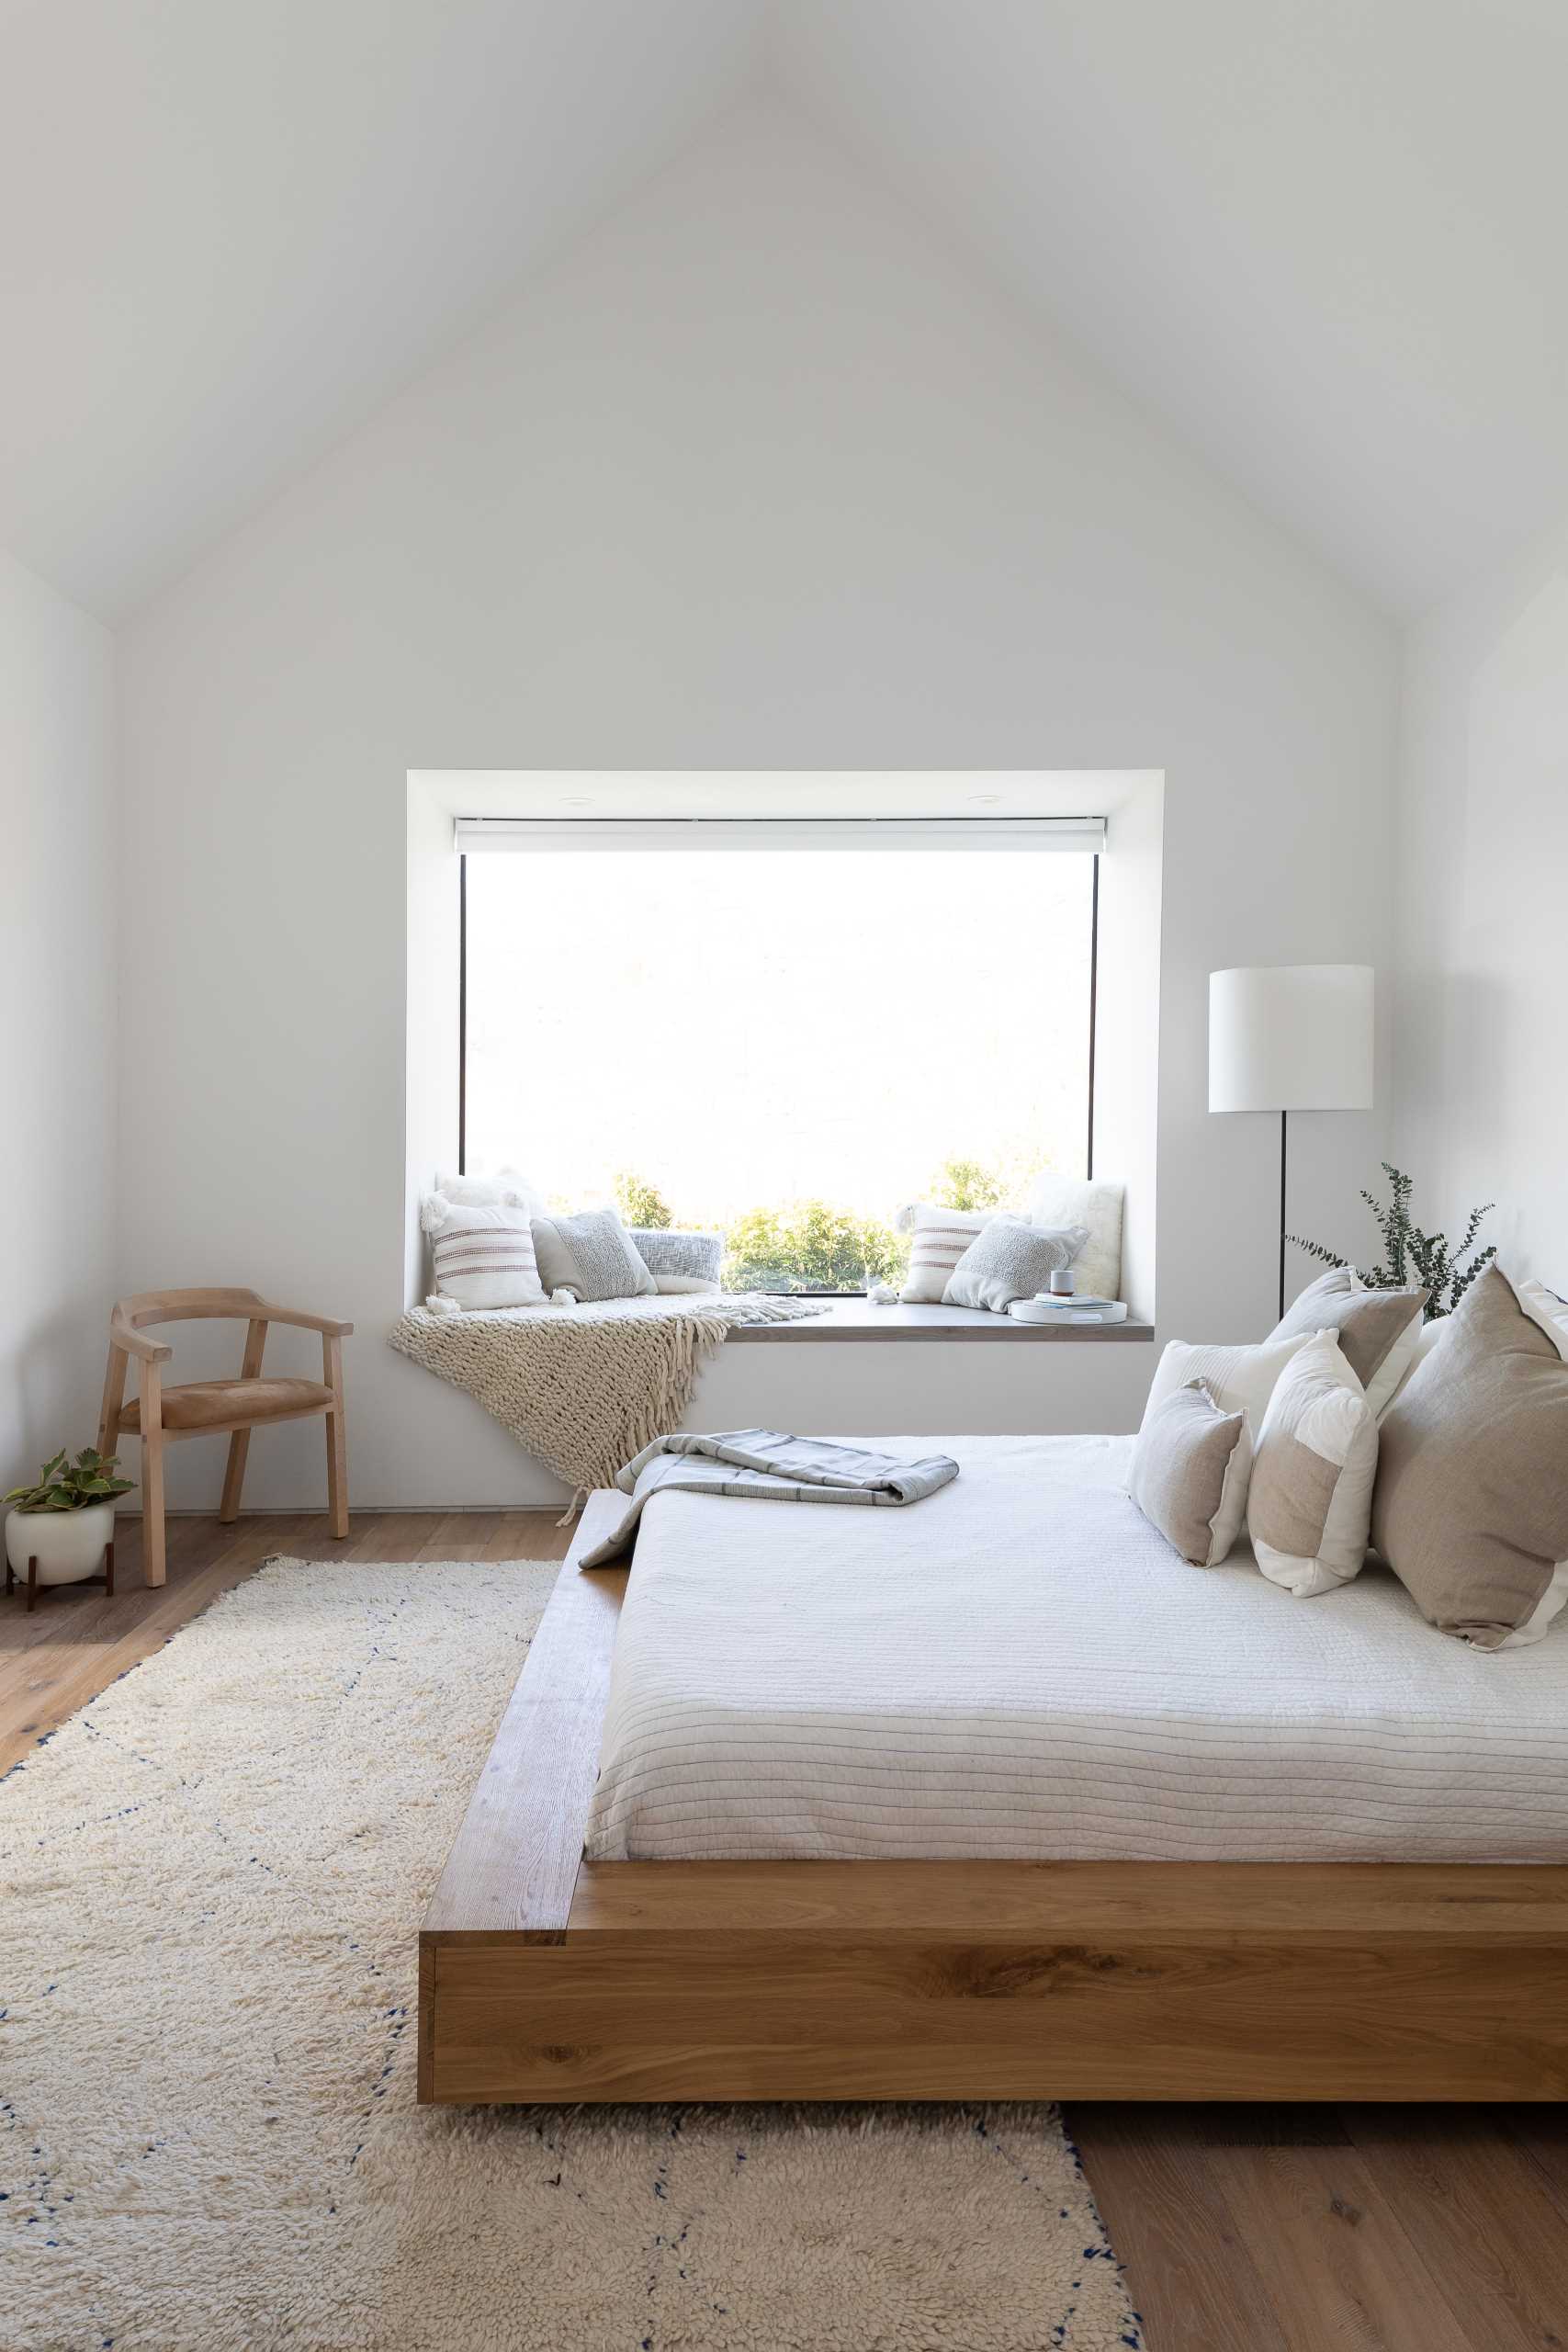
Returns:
(152, 1474)
(153, 1562)
(113, 1398)
(337, 1439)
(240, 1443)
(234, 1475)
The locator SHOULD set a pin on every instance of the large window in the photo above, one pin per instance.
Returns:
(789, 1042)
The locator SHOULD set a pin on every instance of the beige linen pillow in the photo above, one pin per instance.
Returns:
(1072, 1199)
(1011, 1259)
(1189, 1473)
(1471, 1511)
(1310, 1498)
(1241, 1380)
(940, 1238)
(481, 1255)
(1379, 1330)
(592, 1255)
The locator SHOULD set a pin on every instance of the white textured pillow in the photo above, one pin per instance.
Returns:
(1240, 1379)
(1070, 1200)
(940, 1237)
(1309, 1506)
(482, 1253)
(506, 1189)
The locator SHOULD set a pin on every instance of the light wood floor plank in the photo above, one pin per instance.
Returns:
(1333, 2255)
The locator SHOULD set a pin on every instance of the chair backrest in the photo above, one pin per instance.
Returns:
(187, 1306)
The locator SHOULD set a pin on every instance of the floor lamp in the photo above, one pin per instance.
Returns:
(1290, 1037)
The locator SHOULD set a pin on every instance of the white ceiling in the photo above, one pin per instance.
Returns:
(228, 229)
(1322, 239)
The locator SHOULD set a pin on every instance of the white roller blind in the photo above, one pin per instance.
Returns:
(484, 833)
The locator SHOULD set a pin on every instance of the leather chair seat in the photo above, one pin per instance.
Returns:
(224, 1404)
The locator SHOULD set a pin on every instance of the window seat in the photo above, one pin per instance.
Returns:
(856, 1318)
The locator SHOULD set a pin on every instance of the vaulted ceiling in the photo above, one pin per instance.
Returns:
(1321, 239)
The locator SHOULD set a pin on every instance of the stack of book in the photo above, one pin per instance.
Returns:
(1081, 1307)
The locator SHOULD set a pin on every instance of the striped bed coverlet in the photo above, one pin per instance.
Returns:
(1022, 1669)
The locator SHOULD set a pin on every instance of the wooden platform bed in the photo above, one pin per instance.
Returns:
(545, 1978)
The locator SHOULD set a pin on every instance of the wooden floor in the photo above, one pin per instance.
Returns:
(1251, 2229)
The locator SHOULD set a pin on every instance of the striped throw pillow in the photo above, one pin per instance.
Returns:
(484, 1255)
(939, 1238)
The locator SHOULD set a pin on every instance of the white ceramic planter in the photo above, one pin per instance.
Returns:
(67, 1545)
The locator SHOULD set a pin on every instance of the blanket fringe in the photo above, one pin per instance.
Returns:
(585, 1388)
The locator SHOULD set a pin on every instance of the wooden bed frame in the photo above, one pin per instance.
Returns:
(545, 1978)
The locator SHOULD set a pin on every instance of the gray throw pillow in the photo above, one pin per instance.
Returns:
(1471, 1505)
(679, 1261)
(1010, 1259)
(592, 1256)
(1189, 1473)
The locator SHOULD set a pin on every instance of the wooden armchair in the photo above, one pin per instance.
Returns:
(210, 1408)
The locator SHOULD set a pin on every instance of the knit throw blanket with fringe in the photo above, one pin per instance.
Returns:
(586, 1388)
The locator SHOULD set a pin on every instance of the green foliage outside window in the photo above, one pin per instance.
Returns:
(812, 1246)
(966, 1184)
(641, 1204)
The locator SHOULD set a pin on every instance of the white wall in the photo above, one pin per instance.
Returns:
(758, 478)
(57, 1020)
(1483, 865)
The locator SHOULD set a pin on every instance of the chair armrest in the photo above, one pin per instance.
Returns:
(131, 1343)
(267, 1313)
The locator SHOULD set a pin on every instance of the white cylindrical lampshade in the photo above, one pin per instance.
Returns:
(1290, 1037)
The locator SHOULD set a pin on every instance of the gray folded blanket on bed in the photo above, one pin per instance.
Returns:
(765, 1465)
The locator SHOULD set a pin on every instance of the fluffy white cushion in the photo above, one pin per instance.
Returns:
(1310, 1503)
(1068, 1200)
(506, 1189)
(1240, 1379)
(482, 1253)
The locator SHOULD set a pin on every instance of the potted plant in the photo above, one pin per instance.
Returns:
(1413, 1256)
(66, 1520)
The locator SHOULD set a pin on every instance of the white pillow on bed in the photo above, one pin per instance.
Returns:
(1240, 1379)
(1308, 1505)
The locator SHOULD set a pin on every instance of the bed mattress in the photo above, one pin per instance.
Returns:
(1020, 1668)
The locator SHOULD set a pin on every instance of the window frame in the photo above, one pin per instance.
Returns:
(1095, 857)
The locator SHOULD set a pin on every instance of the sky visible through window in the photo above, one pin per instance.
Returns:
(747, 1030)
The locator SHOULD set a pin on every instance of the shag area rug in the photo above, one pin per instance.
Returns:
(209, 2139)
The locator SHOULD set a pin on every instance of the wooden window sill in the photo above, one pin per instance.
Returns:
(856, 1318)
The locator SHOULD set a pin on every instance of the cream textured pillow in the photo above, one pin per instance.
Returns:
(1471, 1511)
(1239, 1379)
(1189, 1475)
(481, 1256)
(1011, 1259)
(592, 1255)
(1070, 1200)
(1310, 1498)
(940, 1239)
(1379, 1330)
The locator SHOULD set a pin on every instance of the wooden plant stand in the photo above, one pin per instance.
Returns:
(71, 1584)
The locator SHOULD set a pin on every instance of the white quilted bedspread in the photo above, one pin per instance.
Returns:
(1020, 1668)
